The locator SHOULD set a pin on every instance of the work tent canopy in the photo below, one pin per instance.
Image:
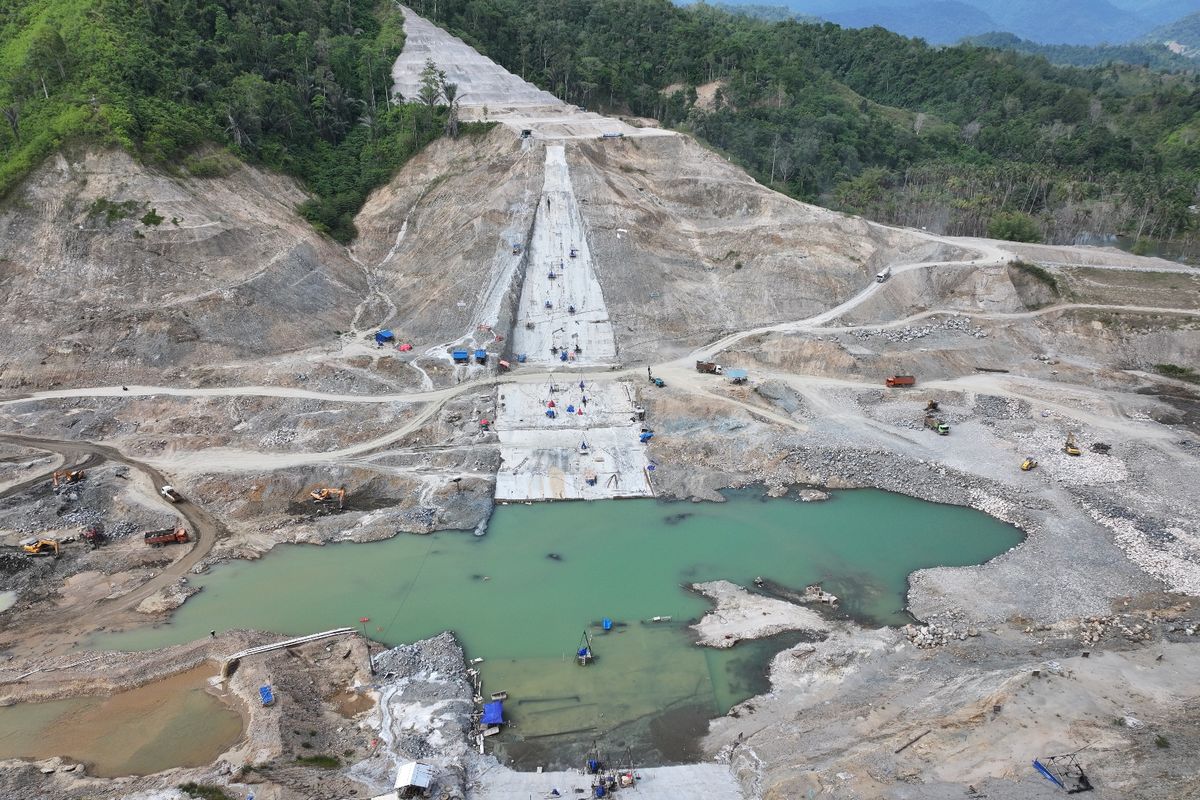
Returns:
(736, 374)
(493, 713)
(384, 336)
(414, 773)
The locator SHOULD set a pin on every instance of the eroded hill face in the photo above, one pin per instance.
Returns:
(112, 272)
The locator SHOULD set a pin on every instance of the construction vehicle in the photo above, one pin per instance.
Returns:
(708, 367)
(659, 382)
(1028, 464)
(932, 405)
(899, 380)
(883, 274)
(1070, 448)
(935, 424)
(324, 495)
(64, 476)
(40, 547)
(166, 536)
(169, 492)
(95, 536)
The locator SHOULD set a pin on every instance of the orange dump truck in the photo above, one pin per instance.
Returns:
(900, 380)
(176, 535)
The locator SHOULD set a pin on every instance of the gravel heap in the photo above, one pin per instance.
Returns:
(956, 324)
(927, 637)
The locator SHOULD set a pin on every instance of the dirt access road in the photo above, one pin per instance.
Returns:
(89, 454)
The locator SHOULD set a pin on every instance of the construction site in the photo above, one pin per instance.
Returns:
(575, 307)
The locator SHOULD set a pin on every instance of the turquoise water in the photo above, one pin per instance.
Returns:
(524, 611)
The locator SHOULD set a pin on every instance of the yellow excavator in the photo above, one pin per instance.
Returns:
(1028, 464)
(40, 547)
(323, 495)
(1070, 447)
(64, 476)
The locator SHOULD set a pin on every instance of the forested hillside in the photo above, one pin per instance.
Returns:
(962, 139)
(299, 85)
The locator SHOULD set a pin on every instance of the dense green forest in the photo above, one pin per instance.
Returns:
(302, 86)
(871, 122)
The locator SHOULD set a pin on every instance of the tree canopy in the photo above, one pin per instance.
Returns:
(303, 86)
(869, 121)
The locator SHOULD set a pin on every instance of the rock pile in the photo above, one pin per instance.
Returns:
(1093, 629)
(957, 324)
(927, 637)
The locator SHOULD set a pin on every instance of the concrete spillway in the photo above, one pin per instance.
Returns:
(481, 81)
(484, 84)
(545, 320)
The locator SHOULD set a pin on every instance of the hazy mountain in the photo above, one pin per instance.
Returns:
(1149, 54)
(937, 21)
(1181, 36)
(1159, 12)
(1048, 22)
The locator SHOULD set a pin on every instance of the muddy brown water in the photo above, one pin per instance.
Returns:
(174, 722)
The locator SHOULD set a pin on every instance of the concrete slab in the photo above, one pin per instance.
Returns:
(481, 81)
(709, 781)
(585, 332)
(543, 458)
(510, 100)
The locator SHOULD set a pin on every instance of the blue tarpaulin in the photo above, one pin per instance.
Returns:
(384, 336)
(736, 374)
(493, 713)
(460, 356)
(268, 697)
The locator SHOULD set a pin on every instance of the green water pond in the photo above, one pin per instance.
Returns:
(522, 596)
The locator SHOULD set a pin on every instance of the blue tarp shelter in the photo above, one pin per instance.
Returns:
(460, 356)
(481, 356)
(268, 697)
(736, 374)
(493, 713)
(382, 337)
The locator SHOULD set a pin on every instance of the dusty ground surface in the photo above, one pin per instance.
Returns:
(250, 378)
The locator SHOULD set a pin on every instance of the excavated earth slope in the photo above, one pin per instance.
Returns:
(93, 295)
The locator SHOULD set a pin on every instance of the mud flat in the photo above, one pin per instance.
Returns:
(173, 722)
(738, 615)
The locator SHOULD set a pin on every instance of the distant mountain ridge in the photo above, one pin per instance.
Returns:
(1147, 53)
(1078, 22)
(1181, 37)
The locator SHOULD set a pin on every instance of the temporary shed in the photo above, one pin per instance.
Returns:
(460, 356)
(414, 774)
(384, 336)
(493, 713)
(736, 375)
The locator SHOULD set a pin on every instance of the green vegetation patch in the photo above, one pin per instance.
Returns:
(303, 87)
(1177, 372)
(320, 761)
(204, 791)
(1036, 272)
(112, 212)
